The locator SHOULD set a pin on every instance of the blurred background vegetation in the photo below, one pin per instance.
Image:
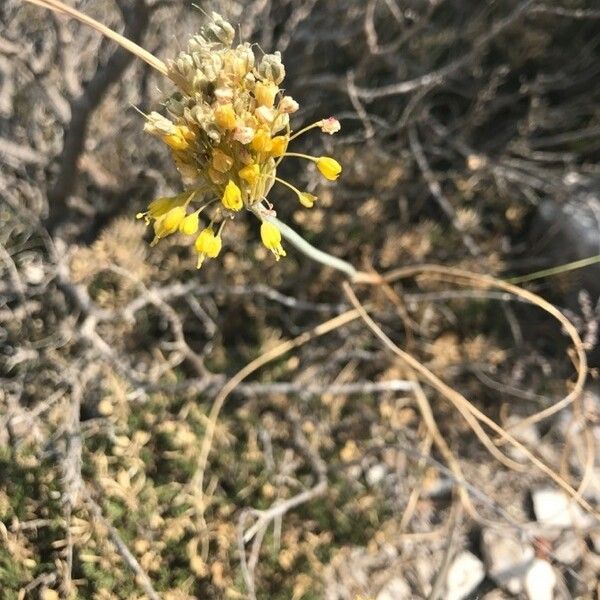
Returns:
(470, 138)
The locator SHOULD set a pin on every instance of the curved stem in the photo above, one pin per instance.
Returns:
(287, 184)
(308, 249)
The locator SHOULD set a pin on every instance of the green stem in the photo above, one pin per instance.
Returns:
(309, 250)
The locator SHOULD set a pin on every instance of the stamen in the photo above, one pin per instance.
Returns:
(298, 155)
(305, 129)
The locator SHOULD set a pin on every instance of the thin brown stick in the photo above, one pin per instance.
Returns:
(438, 439)
(415, 494)
(486, 282)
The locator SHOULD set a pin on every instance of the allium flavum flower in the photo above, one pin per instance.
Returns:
(228, 128)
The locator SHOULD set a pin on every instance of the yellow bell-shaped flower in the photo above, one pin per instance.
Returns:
(207, 245)
(271, 238)
(190, 224)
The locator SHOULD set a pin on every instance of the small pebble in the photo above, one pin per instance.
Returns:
(464, 575)
(552, 509)
(395, 589)
(507, 558)
(540, 581)
(375, 474)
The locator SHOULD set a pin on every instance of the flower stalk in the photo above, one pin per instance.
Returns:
(308, 249)
(228, 129)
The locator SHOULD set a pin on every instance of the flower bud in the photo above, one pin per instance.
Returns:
(207, 245)
(261, 142)
(329, 167)
(224, 95)
(218, 30)
(307, 199)
(282, 121)
(271, 68)
(244, 135)
(288, 105)
(225, 116)
(158, 125)
(265, 115)
(279, 145)
(172, 219)
(330, 125)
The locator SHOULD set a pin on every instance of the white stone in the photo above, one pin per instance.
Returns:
(540, 581)
(552, 508)
(376, 474)
(464, 575)
(395, 589)
(507, 558)
(34, 273)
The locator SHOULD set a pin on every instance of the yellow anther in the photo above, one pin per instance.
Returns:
(307, 199)
(265, 94)
(180, 138)
(207, 245)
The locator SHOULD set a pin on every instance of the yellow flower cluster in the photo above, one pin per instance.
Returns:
(228, 128)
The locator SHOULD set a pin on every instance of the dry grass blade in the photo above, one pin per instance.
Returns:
(459, 400)
(130, 46)
(486, 282)
(326, 327)
(443, 447)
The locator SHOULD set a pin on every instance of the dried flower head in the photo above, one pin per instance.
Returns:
(228, 128)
